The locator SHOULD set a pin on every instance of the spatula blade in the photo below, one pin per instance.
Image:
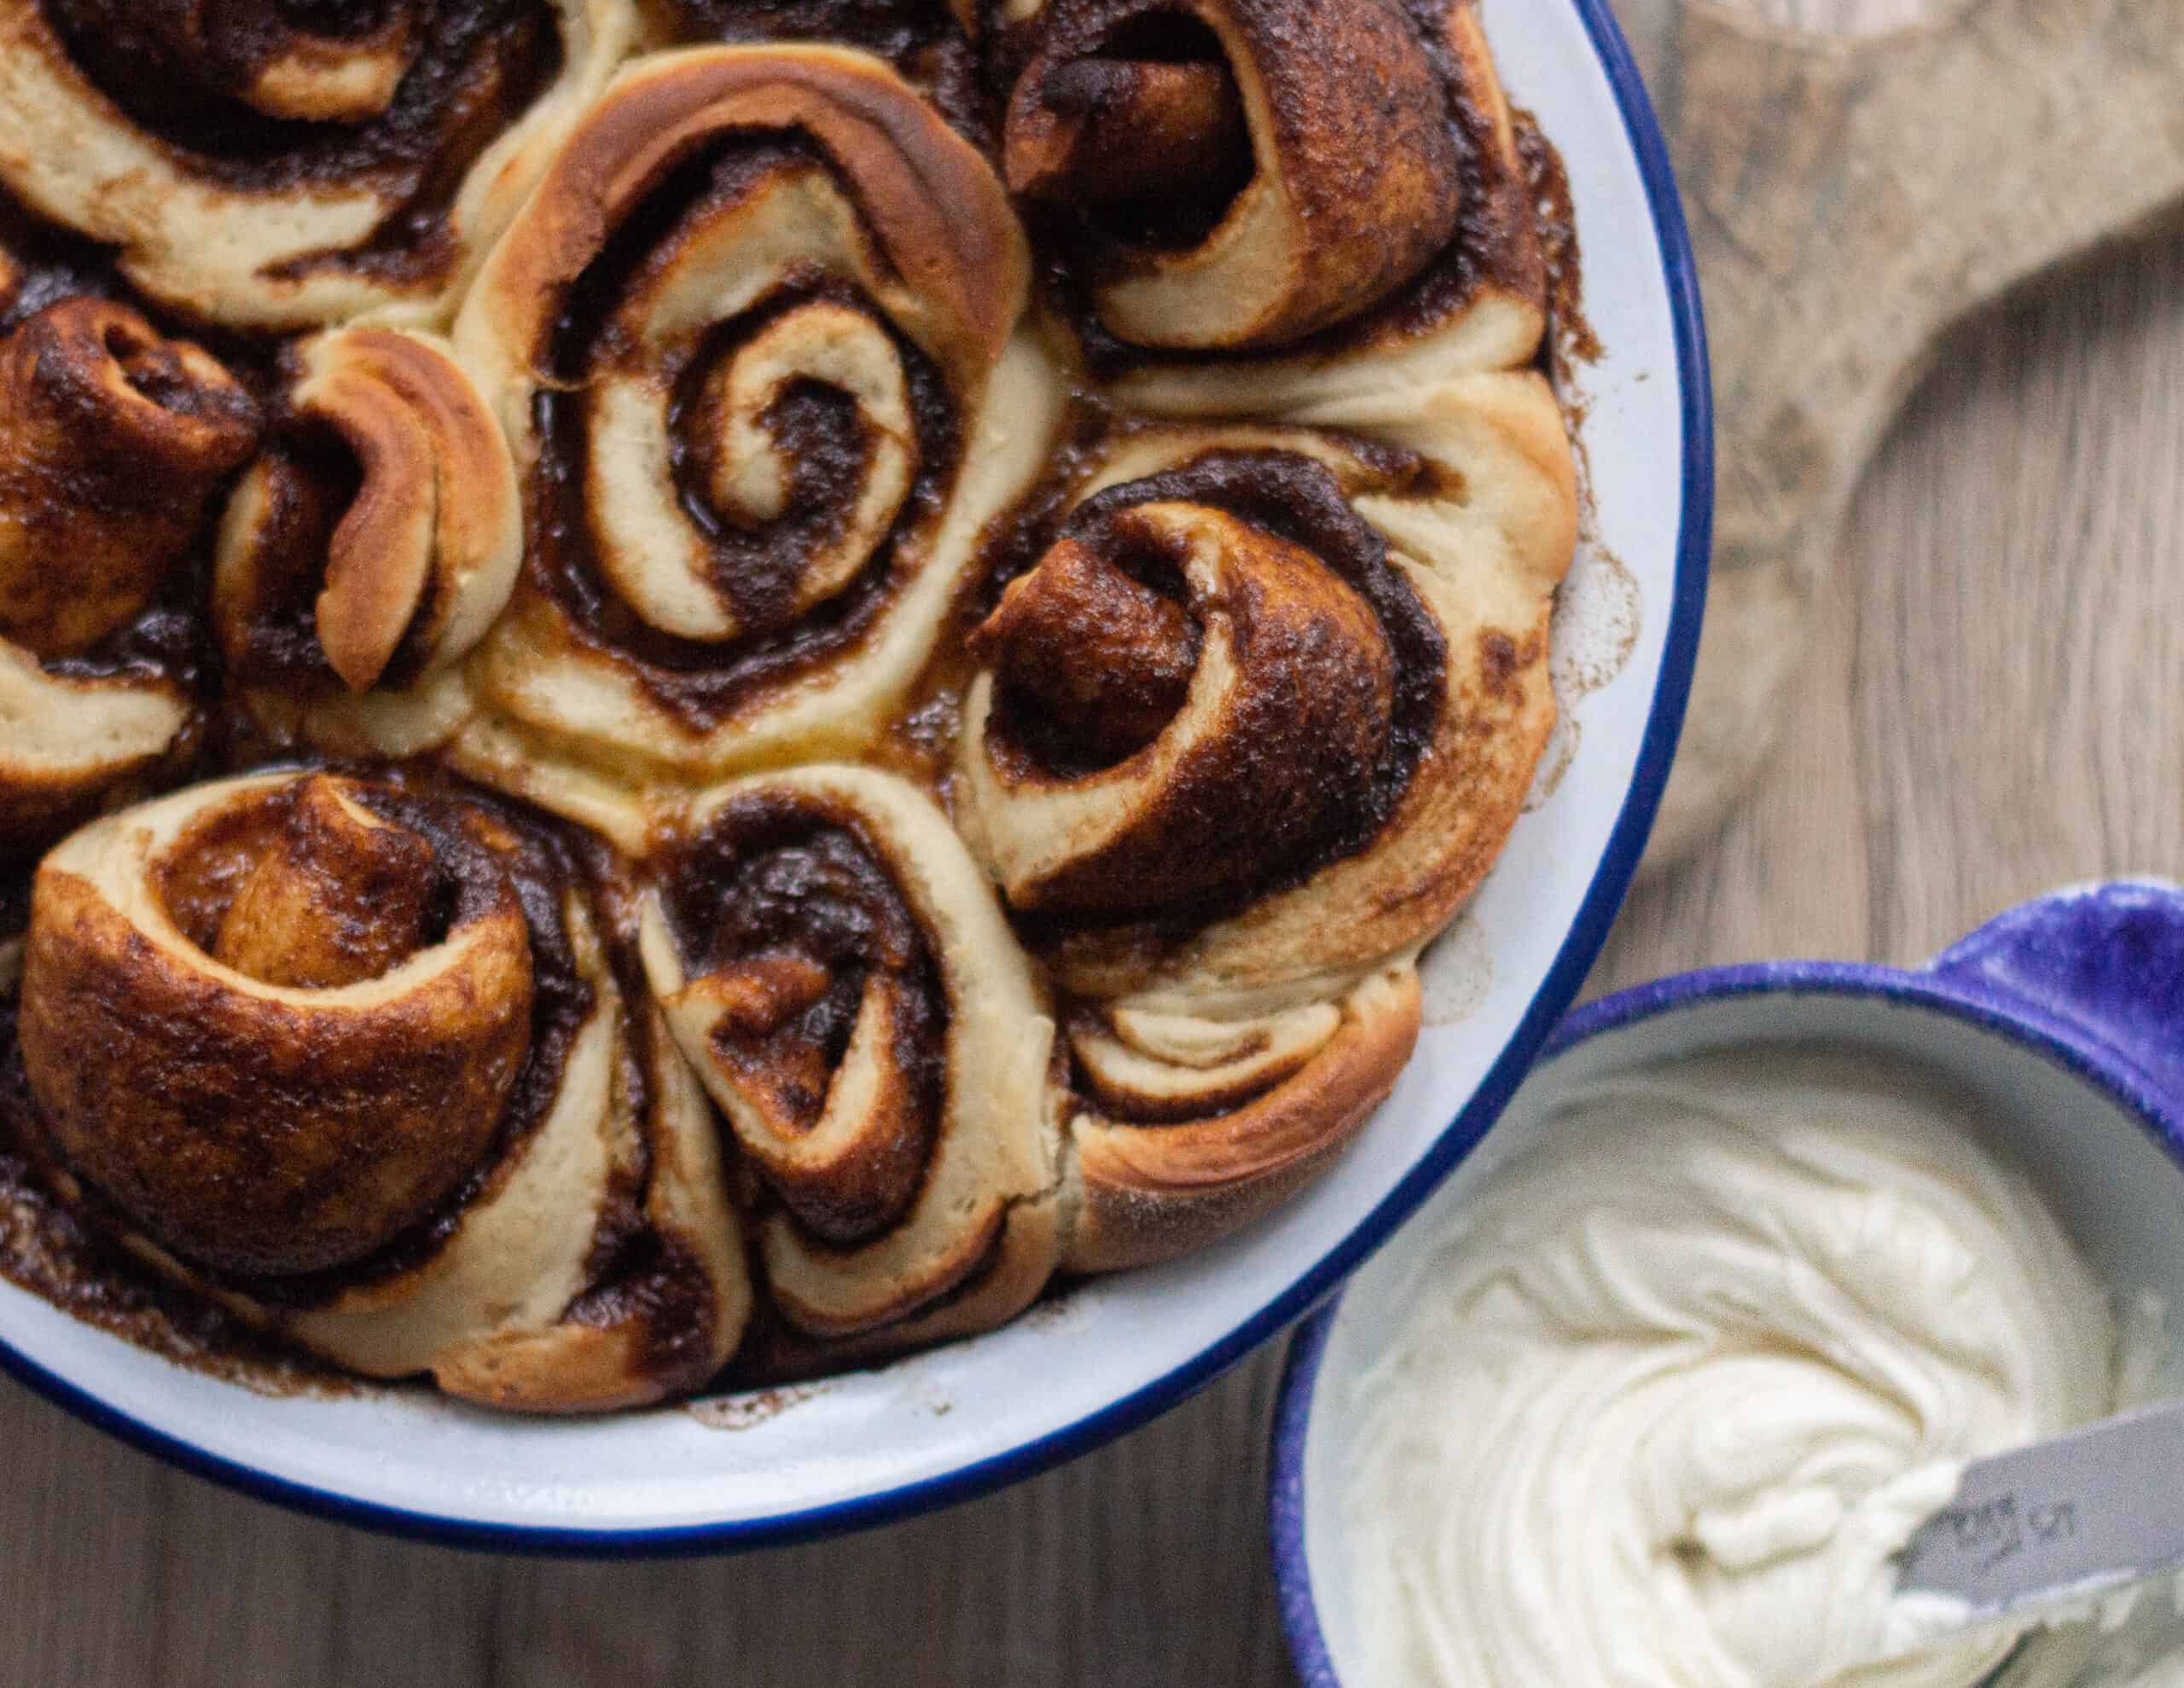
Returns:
(2098, 1509)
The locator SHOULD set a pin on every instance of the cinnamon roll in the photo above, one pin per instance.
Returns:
(367, 1076)
(754, 339)
(1246, 734)
(257, 162)
(115, 441)
(1196, 171)
(838, 971)
(370, 546)
(1018, 579)
(1191, 1124)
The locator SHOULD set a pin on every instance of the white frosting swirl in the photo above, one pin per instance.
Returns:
(1686, 1373)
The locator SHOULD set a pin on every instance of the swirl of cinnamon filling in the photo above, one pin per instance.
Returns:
(837, 968)
(372, 543)
(1247, 736)
(1190, 1125)
(753, 340)
(113, 442)
(1216, 179)
(367, 1077)
(267, 163)
(1210, 679)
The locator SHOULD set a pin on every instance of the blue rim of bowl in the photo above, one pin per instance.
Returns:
(2078, 1052)
(1588, 933)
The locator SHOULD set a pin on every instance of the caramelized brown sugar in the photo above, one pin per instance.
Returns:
(195, 75)
(1139, 561)
(782, 909)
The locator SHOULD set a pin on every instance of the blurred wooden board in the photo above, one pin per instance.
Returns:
(1992, 704)
(1850, 201)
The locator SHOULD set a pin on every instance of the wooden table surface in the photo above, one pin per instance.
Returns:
(1997, 707)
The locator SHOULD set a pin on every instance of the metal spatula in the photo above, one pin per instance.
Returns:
(2059, 1522)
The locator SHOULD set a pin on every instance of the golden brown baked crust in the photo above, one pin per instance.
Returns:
(1023, 582)
(934, 206)
(1467, 578)
(110, 445)
(404, 577)
(661, 1320)
(1259, 303)
(838, 972)
(367, 1079)
(1162, 1167)
(1237, 834)
(250, 170)
(1265, 124)
(261, 1112)
(726, 571)
(113, 441)
(369, 548)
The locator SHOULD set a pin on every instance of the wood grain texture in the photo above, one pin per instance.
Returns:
(1849, 200)
(1994, 704)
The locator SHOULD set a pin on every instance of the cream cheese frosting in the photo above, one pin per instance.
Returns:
(1684, 1376)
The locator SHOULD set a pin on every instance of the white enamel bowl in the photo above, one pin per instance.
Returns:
(1112, 1353)
(2060, 1018)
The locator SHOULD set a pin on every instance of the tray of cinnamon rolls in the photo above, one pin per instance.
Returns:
(851, 720)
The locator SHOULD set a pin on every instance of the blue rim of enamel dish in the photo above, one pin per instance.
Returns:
(2053, 1013)
(1596, 913)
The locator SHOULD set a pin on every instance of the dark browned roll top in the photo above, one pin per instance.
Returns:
(797, 933)
(113, 440)
(311, 1018)
(1108, 129)
(1236, 173)
(1292, 745)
